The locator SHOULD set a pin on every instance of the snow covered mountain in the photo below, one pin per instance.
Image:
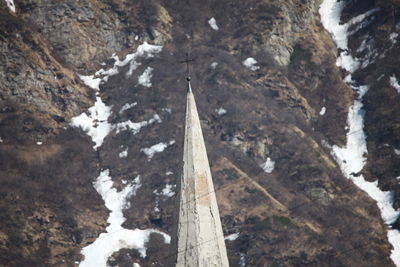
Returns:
(299, 109)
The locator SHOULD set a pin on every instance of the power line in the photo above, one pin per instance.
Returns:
(338, 253)
(293, 209)
(289, 210)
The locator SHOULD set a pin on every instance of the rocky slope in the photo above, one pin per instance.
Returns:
(286, 109)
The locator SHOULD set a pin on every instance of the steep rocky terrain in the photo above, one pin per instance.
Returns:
(288, 108)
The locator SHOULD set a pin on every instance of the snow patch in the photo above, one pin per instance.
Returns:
(168, 190)
(126, 107)
(11, 6)
(250, 63)
(323, 111)
(116, 237)
(213, 24)
(397, 152)
(157, 206)
(363, 46)
(157, 148)
(1, 140)
(97, 253)
(395, 83)
(167, 110)
(145, 78)
(393, 37)
(123, 154)
(95, 124)
(214, 65)
(39, 143)
(135, 127)
(268, 166)
(91, 81)
(221, 111)
(242, 261)
(232, 237)
(394, 238)
(144, 50)
(115, 201)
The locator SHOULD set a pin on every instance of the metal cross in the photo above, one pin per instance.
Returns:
(187, 61)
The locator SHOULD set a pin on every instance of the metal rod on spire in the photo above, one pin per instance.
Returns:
(187, 61)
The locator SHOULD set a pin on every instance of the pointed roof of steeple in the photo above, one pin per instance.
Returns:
(200, 239)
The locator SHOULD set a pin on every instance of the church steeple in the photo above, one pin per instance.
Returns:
(200, 240)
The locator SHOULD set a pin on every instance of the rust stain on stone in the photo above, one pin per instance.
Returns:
(202, 189)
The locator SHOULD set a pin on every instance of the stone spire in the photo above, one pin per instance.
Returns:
(200, 240)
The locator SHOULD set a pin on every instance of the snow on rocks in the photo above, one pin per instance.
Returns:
(145, 78)
(135, 127)
(11, 6)
(157, 148)
(221, 111)
(123, 154)
(393, 37)
(95, 124)
(143, 51)
(91, 81)
(242, 261)
(397, 152)
(352, 157)
(1, 140)
(395, 83)
(214, 65)
(250, 63)
(115, 201)
(167, 110)
(394, 237)
(97, 253)
(330, 12)
(232, 237)
(268, 166)
(323, 111)
(362, 21)
(126, 107)
(167, 191)
(213, 24)
(116, 237)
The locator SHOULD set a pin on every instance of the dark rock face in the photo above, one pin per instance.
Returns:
(302, 213)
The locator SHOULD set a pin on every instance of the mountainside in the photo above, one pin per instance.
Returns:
(299, 109)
